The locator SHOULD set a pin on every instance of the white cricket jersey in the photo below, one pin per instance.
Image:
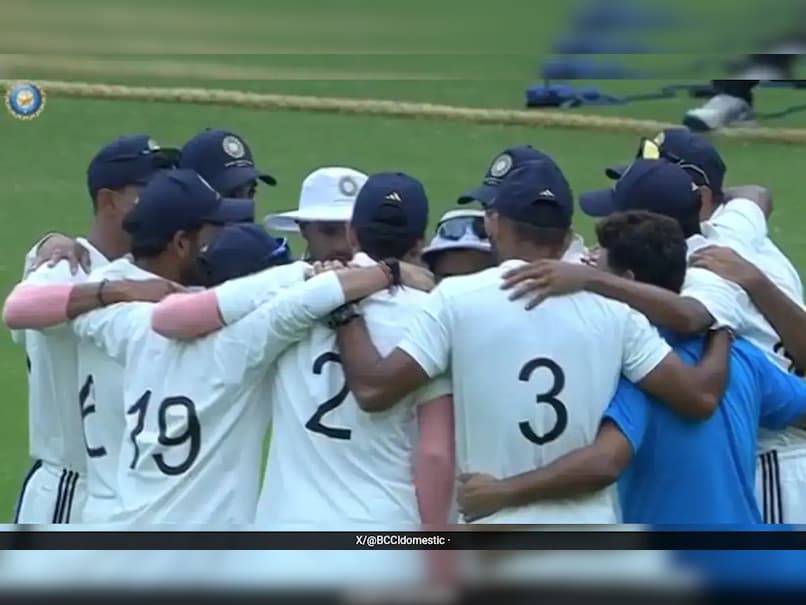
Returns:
(332, 466)
(530, 386)
(740, 225)
(194, 424)
(101, 402)
(54, 417)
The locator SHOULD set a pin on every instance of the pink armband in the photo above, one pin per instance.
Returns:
(34, 307)
(187, 316)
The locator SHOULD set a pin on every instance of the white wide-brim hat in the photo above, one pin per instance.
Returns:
(328, 195)
(468, 241)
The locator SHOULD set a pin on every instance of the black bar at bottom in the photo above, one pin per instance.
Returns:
(545, 539)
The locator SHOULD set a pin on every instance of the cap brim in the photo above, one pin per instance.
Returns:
(237, 176)
(455, 245)
(598, 203)
(483, 194)
(288, 221)
(615, 172)
(232, 210)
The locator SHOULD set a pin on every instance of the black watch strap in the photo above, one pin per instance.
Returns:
(343, 315)
(394, 267)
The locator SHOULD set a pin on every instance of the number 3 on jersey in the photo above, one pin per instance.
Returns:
(315, 422)
(191, 434)
(549, 397)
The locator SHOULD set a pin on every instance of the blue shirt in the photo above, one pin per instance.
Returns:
(703, 472)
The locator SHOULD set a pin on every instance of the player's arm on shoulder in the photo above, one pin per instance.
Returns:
(113, 328)
(649, 362)
(237, 298)
(783, 396)
(434, 459)
(378, 383)
(580, 472)
(787, 317)
(664, 308)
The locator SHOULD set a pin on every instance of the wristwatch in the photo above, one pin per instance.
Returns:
(343, 315)
(394, 268)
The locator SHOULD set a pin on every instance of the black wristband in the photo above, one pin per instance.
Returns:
(343, 315)
(394, 267)
(100, 293)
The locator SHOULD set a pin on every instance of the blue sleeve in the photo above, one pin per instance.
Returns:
(629, 411)
(783, 396)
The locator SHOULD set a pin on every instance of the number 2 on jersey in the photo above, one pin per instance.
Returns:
(550, 398)
(315, 422)
(192, 432)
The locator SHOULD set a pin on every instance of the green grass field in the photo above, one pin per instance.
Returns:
(450, 52)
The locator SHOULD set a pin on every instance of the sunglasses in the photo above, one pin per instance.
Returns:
(650, 150)
(456, 228)
(160, 158)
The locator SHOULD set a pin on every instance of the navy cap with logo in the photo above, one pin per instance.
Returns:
(653, 185)
(392, 205)
(538, 194)
(128, 160)
(181, 200)
(224, 159)
(241, 249)
(692, 151)
(504, 163)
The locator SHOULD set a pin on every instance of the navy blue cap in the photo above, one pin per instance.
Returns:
(223, 158)
(128, 160)
(654, 185)
(393, 203)
(241, 249)
(681, 146)
(537, 193)
(181, 200)
(504, 163)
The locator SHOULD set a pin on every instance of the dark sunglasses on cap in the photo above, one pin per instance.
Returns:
(650, 150)
(455, 228)
(161, 158)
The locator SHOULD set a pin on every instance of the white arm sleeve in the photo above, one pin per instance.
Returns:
(725, 301)
(264, 334)
(437, 387)
(239, 297)
(428, 338)
(643, 347)
(741, 221)
(111, 329)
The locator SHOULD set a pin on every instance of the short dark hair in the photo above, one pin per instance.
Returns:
(388, 234)
(540, 236)
(650, 245)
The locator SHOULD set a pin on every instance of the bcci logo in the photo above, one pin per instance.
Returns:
(25, 100)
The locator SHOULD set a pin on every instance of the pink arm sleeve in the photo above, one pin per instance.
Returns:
(33, 307)
(434, 472)
(186, 316)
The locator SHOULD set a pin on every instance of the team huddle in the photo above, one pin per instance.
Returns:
(501, 373)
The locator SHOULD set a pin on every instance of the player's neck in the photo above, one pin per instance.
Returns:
(159, 266)
(111, 245)
(527, 251)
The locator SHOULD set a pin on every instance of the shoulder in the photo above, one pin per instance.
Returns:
(464, 284)
(58, 274)
(740, 214)
(117, 269)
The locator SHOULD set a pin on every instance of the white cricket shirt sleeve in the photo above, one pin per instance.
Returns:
(740, 220)
(435, 388)
(239, 297)
(265, 333)
(111, 329)
(428, 338)
(643, 348)
(726, 302)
